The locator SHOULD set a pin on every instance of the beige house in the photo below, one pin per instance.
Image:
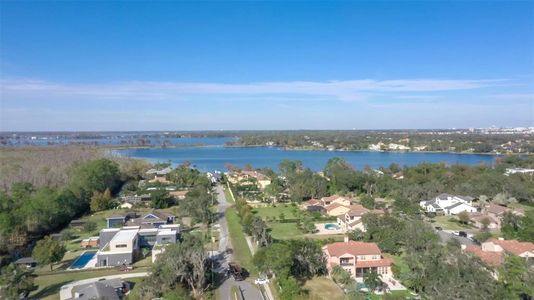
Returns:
(336, 209)
(325, 201)
(180, 195)
(492, 252)
(357, 258)
(238, 177)
(352, 218)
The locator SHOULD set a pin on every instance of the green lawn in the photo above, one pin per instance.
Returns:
(241, 251)
(50, 283)
(447, 223)
(274, 212)
(323, 288)
(284, 231)
(228, 196)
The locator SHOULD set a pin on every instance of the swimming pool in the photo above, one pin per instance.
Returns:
(331, 226)
(82, 260)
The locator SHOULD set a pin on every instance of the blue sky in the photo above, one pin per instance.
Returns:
(265, 65)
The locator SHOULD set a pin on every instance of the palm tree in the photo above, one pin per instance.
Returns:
(372, 280)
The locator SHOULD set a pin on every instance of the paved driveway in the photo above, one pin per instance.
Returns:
(248, 290)
(446, 235)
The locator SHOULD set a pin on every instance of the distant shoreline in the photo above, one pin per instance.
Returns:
(175, 146)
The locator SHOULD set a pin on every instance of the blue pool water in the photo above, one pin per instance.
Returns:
(82, 260)
(331, 226)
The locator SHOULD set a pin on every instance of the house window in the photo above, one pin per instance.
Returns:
(121, 246)
(344, 261)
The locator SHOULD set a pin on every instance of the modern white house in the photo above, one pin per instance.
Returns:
(449, 204)
(122, 246)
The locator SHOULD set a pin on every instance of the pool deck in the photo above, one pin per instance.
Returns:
(321, 230)
(90, 264)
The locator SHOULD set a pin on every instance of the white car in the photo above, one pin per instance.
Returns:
(261, 281)
(456, 233)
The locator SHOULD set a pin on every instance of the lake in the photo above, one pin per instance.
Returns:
(212, 158)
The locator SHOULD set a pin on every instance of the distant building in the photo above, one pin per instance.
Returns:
(449, 204)
(159, 175)
(511, 171)
(262, 181)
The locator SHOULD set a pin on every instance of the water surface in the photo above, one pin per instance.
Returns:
(215, 157)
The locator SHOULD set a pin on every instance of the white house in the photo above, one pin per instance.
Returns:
(449, 204)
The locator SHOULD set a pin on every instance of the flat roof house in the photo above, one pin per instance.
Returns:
(121, 246)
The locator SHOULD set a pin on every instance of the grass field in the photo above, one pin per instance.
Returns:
(446, 223)
(323, 288)
(50, 283)
(241, 251)
(275, 212)
(284, 231)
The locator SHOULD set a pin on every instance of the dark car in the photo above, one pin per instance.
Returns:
(236, 271)
(438, 228)
(462, 234)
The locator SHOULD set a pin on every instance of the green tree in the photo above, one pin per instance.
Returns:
(185, 262)
(15, 281)
(341, 276)
(342, 175)
(101, 201)
(464, 217)
(514, 277)
(372, 280)
(48, 251)
(160, 198)
(367, 201)
(95, 175)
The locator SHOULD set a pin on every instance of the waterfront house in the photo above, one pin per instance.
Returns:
(249, 177)
(159, 175)
(357, 258)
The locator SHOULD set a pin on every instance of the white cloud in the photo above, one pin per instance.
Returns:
(348, 90)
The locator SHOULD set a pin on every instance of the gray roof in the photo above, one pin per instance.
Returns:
(443, 196)
(105, 289)
(454, 205)
(466, 198)
(26, 260)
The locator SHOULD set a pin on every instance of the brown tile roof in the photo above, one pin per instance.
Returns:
(513, 246)
(357, 210)
(479, 217)
(352, 247)
(495, 208)
(332, 206)
(384, 262)
(493, 259)
(312, 202)
(331, 198)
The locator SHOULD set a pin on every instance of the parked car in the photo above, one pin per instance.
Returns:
(262, 281)
(462, 234)
(456, 233)
(438, 228)
(235, 270)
